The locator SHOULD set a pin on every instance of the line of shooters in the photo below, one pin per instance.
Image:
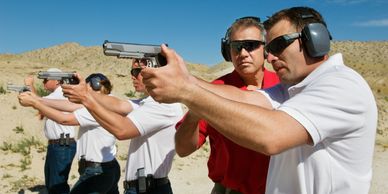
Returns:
(316, 118)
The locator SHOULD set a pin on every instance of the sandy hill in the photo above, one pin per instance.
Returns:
(22, 141)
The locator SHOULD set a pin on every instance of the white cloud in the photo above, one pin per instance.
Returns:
(347, 2)
(373, 23)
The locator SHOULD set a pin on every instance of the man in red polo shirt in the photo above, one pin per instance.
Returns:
(232, 168)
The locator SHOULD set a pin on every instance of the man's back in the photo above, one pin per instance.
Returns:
(340, 114)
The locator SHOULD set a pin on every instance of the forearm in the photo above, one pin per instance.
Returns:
(246, 125)
(186, 137)
(55, 115)
(118, 125)
(113, 104)
(61, 105)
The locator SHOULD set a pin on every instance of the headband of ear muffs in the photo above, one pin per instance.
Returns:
(95, 80)
(225, 50)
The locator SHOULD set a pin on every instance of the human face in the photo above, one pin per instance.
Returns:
(137, 81)
(289, 62)
(247, 63)
(50, 85)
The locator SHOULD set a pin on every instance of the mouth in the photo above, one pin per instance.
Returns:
(277, 66)
(244, 64)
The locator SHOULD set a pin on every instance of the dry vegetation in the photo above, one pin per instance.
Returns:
(19, 125)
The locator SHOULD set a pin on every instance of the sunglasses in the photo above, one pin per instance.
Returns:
(248, 45)
(277, 45)
(136, 71)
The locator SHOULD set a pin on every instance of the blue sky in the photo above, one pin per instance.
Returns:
(192, 27)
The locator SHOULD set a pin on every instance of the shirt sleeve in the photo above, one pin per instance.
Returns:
(84, 118)
(153, 116)
(276, 94)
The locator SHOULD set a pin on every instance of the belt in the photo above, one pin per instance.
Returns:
(154, 182)
(221, 189)
(83, 164)
(86, 163)
(60, 141)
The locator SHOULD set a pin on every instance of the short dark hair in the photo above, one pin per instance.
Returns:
(103, 81)
(247, 22)
(298, 16)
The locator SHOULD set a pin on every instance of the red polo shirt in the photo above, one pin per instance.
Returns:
(229, 164)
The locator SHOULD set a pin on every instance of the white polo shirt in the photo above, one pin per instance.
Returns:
(337, 108)
(52, 129)
(94, 143)
(154, 149)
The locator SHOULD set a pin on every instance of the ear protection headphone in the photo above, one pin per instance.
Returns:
(95, 80)
(225, 49)
(315, 38)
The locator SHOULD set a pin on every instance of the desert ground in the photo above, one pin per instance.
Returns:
(22, 143)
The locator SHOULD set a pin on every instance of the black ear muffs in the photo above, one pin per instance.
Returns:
(225, 50)
(316, 39)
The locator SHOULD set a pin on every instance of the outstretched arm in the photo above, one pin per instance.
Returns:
(257, 127)
(117, 124)
(61, 105)
(114, 104)
(27, 99)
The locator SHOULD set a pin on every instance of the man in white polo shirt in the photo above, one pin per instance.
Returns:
(319, 125)
(61, 146)
(150, 126)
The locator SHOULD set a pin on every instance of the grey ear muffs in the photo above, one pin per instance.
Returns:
(95, 83)
(316, 39)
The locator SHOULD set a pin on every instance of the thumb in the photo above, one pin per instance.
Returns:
(79, 77)
(169, 53)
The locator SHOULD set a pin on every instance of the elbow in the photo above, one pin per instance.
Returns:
(121, 136)
(183, 150)
(182, 153)
(270, 147)
(269, 151)
(125, 133)
(63, 122)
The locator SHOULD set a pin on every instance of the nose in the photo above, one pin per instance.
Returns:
(243, 52)
(271, 57)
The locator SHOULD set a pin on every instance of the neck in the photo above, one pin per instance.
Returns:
(255, 80)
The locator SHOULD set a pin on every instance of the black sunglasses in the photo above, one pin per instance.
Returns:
(136, 71)
(277, 45)
(248, 45)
